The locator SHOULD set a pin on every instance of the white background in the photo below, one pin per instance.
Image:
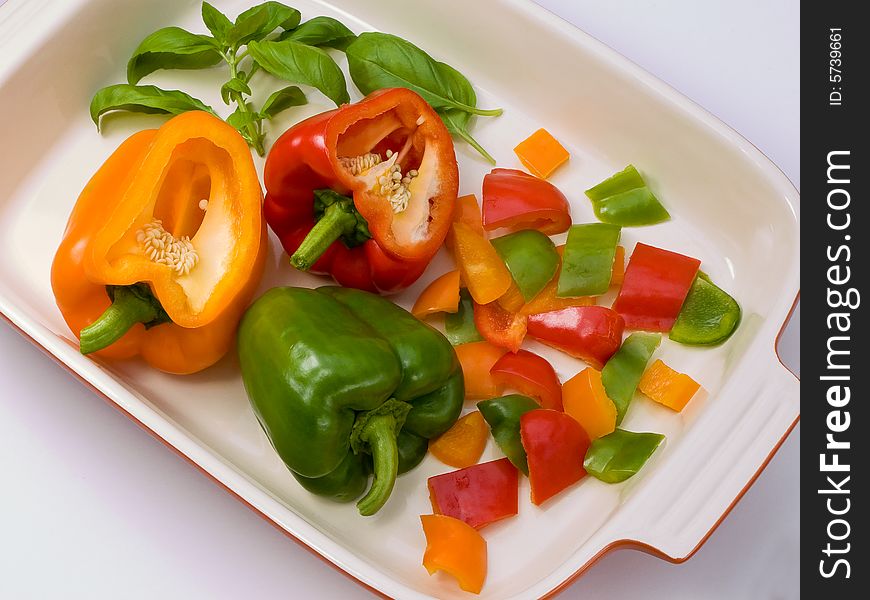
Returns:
(93, 507)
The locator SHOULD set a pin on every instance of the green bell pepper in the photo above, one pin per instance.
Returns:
(503, 416)
(587, 263)
(618, 455)
(345, 383)
(624, 199)
(709, 316)
(531, 258)
(459, 327)
(621, 374)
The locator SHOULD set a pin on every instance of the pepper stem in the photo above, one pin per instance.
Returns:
(127, 309)
(379, 433)
(335, 222)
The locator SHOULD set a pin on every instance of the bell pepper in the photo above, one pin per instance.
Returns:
(515, 200)
(468, 212)
(477, 495)
(459, 326)
(456, 548)
(624, 199)
(668, 387)
(335, 375)
(442, 295)
(541, 153)
(655, 286)
(620, 455)
(482, 269)
(531, 258)
(586, 400)
(164, 247)
(531, 375)
(503, 416)
(590, 333)
(500, 327)
(462, 444)
(588, 259)
(477, 359)
(555, 445)
(622, 373)
(618, 267)
(392, 160)
(548, 301)
(708, 317)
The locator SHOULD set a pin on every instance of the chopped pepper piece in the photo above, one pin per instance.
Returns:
(624, 199)
(585, 399)
(555, 445)
(620, 455)
(668, 387)
(516, 200)
(512, 300)
(477, 360)
(461, 445)
(468, 212)
(709, 316)
(456, 548)
(477, 495)
(541, 153)
(548, 301)
(618, 267)
(500, 327)
(588, 259)
(591, 333)
(503, 416)
(442, 295)
(531, 375)
(531, 258)
(656, 284)
(483, 271)
(622, 373)
(459, 327)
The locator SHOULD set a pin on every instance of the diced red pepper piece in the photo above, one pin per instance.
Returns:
(530, 375)
(591, 333)
(516, 200)
(654, 288)
(477, 495)
(500, 327)
(555, 446)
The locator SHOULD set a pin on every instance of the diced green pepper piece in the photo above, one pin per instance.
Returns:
(531, 258)
(621, 375)
(587, 263)
(624, 199)
(709, 315)
(459, 327)
(617, 456)
(503, 417)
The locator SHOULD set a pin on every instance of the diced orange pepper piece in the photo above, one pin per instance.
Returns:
(483, 270)
(541, 154)
(666, 386)
(467, 210)
(584, 398)
(477, 359)
(456, 548)
(547, 301)
(618, 267)
(461, 445)
(512, 300)
(442, 295)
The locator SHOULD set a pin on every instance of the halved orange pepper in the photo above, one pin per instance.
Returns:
(483, 271)
(456, 548)
(164, 247)
(667, 386)
(584, 398)
(442, 295)
(477, 359)
(541, 153)
(618, 267)
(461, 445)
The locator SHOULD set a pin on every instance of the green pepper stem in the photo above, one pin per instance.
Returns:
(380, 434)
(126, 310)
(335, 222)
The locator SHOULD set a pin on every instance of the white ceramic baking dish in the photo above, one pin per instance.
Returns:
(732, 208)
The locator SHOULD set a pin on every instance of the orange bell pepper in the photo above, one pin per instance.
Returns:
(461, 445)
(541, 154)
(477, 359)
(584, 398)
(618, 267)
(455, 547)
(442, 295)
(164, 247)
(666, 386)
(547, 301)
(483, 271)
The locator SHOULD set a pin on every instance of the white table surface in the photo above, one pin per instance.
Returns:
(91, 505)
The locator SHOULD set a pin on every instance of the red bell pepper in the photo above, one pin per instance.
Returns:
(555, 447)
(654, 288)
(531, 375)
(477, 495)
(389, 162)
(500, 327)
(516, 200)
(591, 333)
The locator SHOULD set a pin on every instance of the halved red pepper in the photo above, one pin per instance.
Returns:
(389, 163)
(654, 288)
(500, 327)
(477, 495)
(591, 333)
(531, 375)
(555, 446)
(516, 200)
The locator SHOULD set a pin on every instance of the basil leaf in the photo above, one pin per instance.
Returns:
(172, 48)
(621, 454)
(380, 60)
(301, 63)
(281, 101)
(321, 31)
(261, 20)
(234, 85)
(147, 99)
(217, 22)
